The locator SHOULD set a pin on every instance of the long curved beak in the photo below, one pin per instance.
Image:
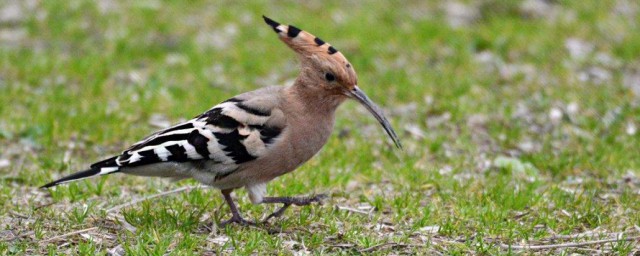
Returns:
(359, 95)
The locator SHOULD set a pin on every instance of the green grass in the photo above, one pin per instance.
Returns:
(79, 81)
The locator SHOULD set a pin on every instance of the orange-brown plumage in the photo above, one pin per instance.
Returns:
(315, 53)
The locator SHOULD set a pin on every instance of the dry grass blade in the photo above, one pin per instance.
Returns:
(567, 245)
(16, 214)
(349, 209)
(343, 245)
(585, 235)
(68, 234)
(118, 207)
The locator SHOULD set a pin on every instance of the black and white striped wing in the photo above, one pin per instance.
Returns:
(236, 131)
(229, 134)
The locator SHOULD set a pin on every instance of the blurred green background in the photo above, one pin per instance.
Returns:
(519, 120)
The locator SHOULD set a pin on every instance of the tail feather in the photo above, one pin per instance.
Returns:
(105, 163)
(82, 175)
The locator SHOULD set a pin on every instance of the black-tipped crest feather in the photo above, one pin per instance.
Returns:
(271, 23)
(293, 31)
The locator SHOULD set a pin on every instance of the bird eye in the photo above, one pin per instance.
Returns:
(330, 77)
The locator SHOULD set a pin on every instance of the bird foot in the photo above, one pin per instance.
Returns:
(238, 220)
(308, 200)
(288, 201)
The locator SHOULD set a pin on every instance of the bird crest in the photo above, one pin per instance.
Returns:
(301, 41)
(310, 47)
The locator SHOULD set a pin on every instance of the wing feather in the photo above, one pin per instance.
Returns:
(231, 133)
(238, 130)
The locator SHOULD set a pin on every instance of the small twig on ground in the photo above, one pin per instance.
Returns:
(115, 251)
(19, 236)
(42, 206)
(522, 214)
(567, 245)
(376, 247)
(349, 209)
(589, 234)
(392, 244)
(68, 234)
(20, 215)
(118, 207)
(593, 251)
(343, 246)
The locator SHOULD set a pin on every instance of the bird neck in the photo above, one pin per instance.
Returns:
(313, 99)
(311, 115)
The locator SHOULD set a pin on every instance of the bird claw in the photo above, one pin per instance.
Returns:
(238, 220)
(299, 201)
(319, 198)
(276, 214)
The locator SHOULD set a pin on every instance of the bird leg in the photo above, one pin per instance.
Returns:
(236, 218)
(288, 201)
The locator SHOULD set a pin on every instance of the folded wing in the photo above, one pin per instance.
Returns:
(231, 133)
(239, 130)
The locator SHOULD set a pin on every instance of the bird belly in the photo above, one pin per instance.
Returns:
(166, 170)
(296, 147)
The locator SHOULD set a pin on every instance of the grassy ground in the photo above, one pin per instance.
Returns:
(519, 119)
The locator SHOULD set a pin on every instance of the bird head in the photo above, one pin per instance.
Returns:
(328, 69)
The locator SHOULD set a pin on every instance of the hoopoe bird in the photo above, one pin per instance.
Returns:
(252, 138)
